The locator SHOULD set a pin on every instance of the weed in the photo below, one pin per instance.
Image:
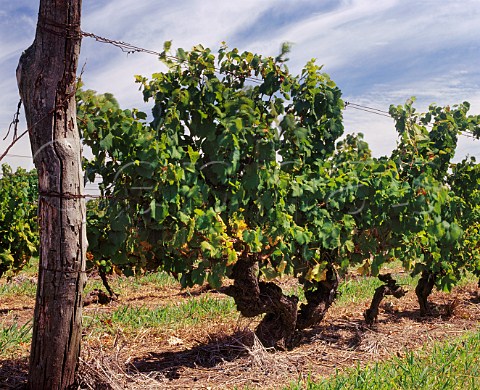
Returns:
(446, 365)
(188, 313)
(13, 336)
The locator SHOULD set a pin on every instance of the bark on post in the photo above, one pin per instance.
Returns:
(46, 78)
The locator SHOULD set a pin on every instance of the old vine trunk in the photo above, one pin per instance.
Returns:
(254, 297)
(389, 288)
(424, 289)
(46, 78)
(320, 296)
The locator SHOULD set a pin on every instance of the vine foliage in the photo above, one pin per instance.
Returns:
(18, 219)
(240, 172)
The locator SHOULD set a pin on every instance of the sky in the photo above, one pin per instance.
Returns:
(379, 52)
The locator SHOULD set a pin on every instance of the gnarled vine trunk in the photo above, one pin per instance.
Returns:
(319, 296)
(390, 288)
(254, 298)
(424, 289)
(281, 320)
(46, 78)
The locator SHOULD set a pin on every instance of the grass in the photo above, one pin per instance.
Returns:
(172, 315)
(123, 286)
(192, 311)
(13, 336)
(359, 290)
(189, 313)
(447, 365)
(23, 284)
(467, 279)
(26, 288)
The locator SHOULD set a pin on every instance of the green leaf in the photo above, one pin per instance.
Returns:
(253, 239)
(349, 245)
(107, 142)
(301, 237)
(269, 273)
(158, 211)
(119, 221)
(6, 258)
(182, 56)
(206, 247)
(231, 257)
(167, 45)
(194, 155)
(455, 231)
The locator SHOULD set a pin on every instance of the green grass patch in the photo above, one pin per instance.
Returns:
(191, 312)
(22, 284)
(121, 285)
(18, 287)
(359, 290)
(31, 268)
(12, 337)
(447, 365)
(467, 279)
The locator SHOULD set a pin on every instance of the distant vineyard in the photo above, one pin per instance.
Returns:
(18, 216)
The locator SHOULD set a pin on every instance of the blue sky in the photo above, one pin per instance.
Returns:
(378, 52)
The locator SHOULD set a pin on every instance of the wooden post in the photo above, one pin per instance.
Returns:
(46, 77)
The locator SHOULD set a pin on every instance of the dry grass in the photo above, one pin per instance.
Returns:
(224, 353)
(227, 355)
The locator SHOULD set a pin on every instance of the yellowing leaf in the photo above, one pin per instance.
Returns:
(281, 267)
(364, 270)
(321, 276)
(239, 227)
(318, 273)
(231, 257)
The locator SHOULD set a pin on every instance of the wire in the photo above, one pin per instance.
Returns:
(366, 109)
(15, 121)
(360, 106)
(130, 49)
(376, 111)
(466, 134)
(17, 155)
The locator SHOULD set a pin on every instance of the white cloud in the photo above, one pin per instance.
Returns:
(448, 89)
(149, 25)
(379, 52)
(364, 26)
(186, 22)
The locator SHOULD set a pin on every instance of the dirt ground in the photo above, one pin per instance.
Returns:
(225, 354)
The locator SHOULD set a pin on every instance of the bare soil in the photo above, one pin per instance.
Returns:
(225, 354)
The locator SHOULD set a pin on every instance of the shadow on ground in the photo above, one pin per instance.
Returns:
(222, 348)
(345, 335)
(13, 374)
